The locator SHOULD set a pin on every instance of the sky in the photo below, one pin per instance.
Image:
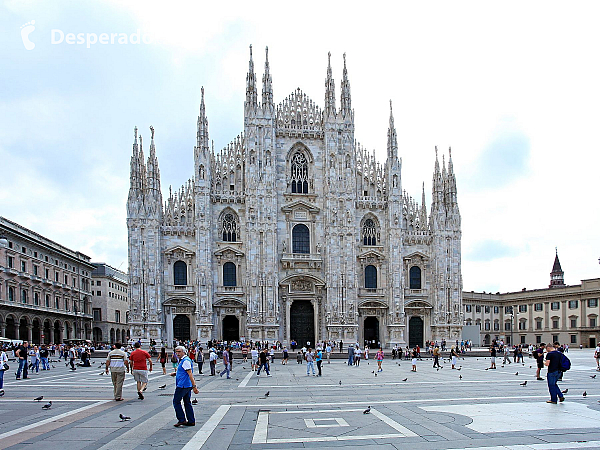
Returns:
(512, 87)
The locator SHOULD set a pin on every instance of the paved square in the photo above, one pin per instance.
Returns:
(446, 409)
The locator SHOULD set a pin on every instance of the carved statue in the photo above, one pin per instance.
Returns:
(151, 132)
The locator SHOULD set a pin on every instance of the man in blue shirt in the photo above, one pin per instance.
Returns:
(553, 360)
(319, 359)
(184, 384)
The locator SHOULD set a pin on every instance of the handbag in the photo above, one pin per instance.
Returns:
(5, 367)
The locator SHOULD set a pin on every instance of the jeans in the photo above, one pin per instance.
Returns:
(212, 367)
(22, 367)
(227, 369)
(319, 366)
(200, 367)
(183, 394)
(45, 365)
(35, 364)
(350, 359)
(552, 386)
(310, 365)
(1, 379)
(266, 366)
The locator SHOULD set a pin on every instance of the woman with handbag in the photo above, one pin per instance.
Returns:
(162, 359)
(3, 368)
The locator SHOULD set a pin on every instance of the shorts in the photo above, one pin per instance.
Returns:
(141, 376)
(540, 364)
(414, 361)
(493, 359)
(254, 361)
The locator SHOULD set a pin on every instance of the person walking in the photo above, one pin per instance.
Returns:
(226, 363)
(263, 362)
(118, 362)
(212, 361)
(436, 357)
(162, 359)
(310, 362)
(379, 357)
(285, 356)
(454, 356)
(597, 356)
(44, 357)
(254, 356)
(328, 351)
(492, 356)
(200, 359)
(184, 385)
(506, 356)
(34, 354)
(350, 354)
(3, 360)
(357, 354)
(139, 360)
(319, 359)
(538, 355)
(414, 360)
(553, 363)
(72, 355)
(21, 354)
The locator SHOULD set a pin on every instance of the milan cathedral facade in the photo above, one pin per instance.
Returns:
(293, 231)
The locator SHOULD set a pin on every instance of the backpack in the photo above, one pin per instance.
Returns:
(174, 359)
(565, 363)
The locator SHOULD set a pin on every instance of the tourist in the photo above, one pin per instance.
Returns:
(436, 357)
(379, 357)
(414, 360)
(44, 357)
(366, 353)
(226, 362)
(284, 359)
(309, 356)
(553, 362)
(34, 356)
(174, 360)
(244, 353)
(357, 355)
(328, 351)
(3, 368)
(117, 361)
(538, 355)
(597, 356)
(319, 359)
(254, 356)
(212, 361)
(200, 359)
(162, 359)
(506, 357)
(299, 358)
(492, 356)
(184, 385)
(350, 354)
(454, 356)
(21, 354)
(139, 360)
(263, 360)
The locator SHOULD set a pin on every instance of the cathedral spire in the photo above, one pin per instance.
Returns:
(451, 181)
(329, 90)
(392, 144)
(251, 95)
(135, 185)
(557, 276)
(345, 99)
(267, 91)
(202, 133)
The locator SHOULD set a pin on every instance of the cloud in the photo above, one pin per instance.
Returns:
(491, 249)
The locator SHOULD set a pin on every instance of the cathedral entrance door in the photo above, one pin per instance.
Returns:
(302, 323)
(181, 327)
(371, 332)
(415, 332)
(231, 329)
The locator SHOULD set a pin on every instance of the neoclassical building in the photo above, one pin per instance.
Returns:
(293, 231)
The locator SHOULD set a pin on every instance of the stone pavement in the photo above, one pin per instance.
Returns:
(432, 409)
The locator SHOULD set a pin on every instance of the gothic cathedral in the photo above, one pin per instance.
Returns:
(293, 231)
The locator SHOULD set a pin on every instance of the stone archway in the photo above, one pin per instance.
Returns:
(371, 332)
(231, 328)
(415, 331)
(181, 327)
(11, 328)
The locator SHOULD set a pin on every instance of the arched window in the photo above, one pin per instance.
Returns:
(300, 239)
(369, 232)
(415, 277)
(11, 294)
(229, 227)
(180, 273)
(229, 274)
(370, 277)
(299, 174)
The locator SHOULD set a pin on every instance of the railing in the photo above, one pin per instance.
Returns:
(371, 292)
(180, 288)
(230, 290)
(415, 292)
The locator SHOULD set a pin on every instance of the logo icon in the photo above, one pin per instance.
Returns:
(26, 30)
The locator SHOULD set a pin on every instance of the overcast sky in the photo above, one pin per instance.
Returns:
(512, 87)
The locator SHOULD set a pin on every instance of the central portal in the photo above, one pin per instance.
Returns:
(231, 329)
(302, 323)
(181, 327)
(415, 332)
(371, 330)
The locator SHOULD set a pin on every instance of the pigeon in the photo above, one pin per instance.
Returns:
(524, 383)
(372, 371)
(487, 368)
(340, 382)
(585, 393)
(195, 401)
(460, 377)
(124, 418)
(565, 391)
(530, 367)
(101, 373)
(502, 367)
(405, 379)
(367, 411)
(53, 366)
(459, 368)
(163, 386)
(47, 406)
(38, 399)
(268, 393)
(517, 373)
(375, 374)
(592, 376)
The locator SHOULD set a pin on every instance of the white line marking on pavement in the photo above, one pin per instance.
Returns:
(246, 379)
(392, 423)
(47, 399)
(132, 438)
(204, 433)
(544, 446)
(260, 431)
(51, 419)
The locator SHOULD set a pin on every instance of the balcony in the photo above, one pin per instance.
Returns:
(230, 290)
(179, 289)
(370, 292)
(415, 293)
(301, 260)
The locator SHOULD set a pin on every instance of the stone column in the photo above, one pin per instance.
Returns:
(169, 323)
(29, 332)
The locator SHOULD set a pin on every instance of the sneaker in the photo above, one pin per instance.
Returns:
(189, 424)
(561, 399)
(540, 379)
(550, 401)
(179, 424)
(269, 375)
(140, 396)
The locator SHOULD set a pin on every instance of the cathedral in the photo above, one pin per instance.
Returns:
(293, 231)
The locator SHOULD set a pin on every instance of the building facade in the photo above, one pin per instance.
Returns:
(110, 304)
(44, 288)
(293, 231)
(560, 313)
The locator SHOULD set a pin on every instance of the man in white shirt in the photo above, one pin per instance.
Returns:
(597, 356)
(212, 360)
(254, 354)
(328, 350)
(117, 361)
